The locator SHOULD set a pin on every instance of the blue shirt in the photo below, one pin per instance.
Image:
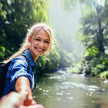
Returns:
(18, 68)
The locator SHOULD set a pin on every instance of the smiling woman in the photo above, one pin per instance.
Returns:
(39, 43)
(20, 75)
(29, 37)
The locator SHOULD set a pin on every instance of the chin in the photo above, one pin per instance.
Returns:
(39, 54)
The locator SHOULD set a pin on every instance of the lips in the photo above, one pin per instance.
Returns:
(39, 49)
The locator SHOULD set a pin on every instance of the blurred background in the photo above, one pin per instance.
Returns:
(80, 31)
(80, 48)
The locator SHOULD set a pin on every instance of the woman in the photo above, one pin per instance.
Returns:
(37, 42)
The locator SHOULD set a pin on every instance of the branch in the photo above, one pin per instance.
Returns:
(105, 27)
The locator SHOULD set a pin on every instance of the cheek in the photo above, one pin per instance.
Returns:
(35, 43)
(47, 45)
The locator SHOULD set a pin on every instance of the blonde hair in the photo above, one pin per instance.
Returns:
(33, 30)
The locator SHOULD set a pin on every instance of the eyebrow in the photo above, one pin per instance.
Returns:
(45, 39)
(37, 37)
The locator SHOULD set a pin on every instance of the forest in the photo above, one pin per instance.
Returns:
(16, 16)
(93, 34)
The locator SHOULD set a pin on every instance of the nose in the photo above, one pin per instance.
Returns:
(41, 44)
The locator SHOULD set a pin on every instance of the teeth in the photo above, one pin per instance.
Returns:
(39, 49)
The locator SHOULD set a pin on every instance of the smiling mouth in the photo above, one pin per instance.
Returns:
(39, 49)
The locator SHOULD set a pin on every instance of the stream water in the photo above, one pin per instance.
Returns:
(66, 90)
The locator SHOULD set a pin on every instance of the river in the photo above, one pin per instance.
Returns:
(66, 90)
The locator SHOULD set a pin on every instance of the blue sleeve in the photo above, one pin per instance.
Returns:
(17, 68)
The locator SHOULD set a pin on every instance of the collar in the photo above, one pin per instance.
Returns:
(28, 55)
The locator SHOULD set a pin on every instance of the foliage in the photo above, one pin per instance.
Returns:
(94, 35)
(95, 41)
(93, 51)
(3, 52)
(103, 75)
(54, 60)
(16, 16)
(94, 65)
(75, 68)
(66, 59)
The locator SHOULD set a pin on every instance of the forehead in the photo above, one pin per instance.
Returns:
(42, 34)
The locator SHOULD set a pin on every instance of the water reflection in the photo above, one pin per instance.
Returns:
(66, 90)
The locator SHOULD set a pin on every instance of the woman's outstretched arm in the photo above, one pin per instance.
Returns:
(23, 86)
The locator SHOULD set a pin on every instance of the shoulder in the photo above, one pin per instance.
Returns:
(19, 60)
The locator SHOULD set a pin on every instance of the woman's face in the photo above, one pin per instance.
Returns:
(39, 43)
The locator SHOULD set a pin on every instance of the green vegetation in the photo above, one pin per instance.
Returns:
(15, 19)
(16, 16)
(94, 36)
(103, 75)
(94, 25)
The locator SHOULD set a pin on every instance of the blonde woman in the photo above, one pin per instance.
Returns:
(37, 42)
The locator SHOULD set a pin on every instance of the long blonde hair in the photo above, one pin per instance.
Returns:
(33, 30)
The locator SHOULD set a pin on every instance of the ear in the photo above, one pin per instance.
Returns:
(29, 39)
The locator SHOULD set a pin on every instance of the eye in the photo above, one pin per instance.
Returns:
(37, 39)
(46, 41)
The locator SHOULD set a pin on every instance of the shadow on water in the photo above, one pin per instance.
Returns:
(66, 90)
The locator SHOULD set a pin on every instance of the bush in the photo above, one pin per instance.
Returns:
(95, 65)
(103, 75)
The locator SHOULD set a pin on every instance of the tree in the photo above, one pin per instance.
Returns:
(93, 34)
(94, 21)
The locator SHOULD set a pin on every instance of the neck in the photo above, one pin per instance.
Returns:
(33, 56)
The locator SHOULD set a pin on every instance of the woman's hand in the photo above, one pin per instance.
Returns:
(23, 86)
(16, 100)
(28, 99)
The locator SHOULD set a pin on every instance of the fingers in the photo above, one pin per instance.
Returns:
(33, 102)
(35, 106)
(29, 100)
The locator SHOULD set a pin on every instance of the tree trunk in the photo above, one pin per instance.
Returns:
(100, 40)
